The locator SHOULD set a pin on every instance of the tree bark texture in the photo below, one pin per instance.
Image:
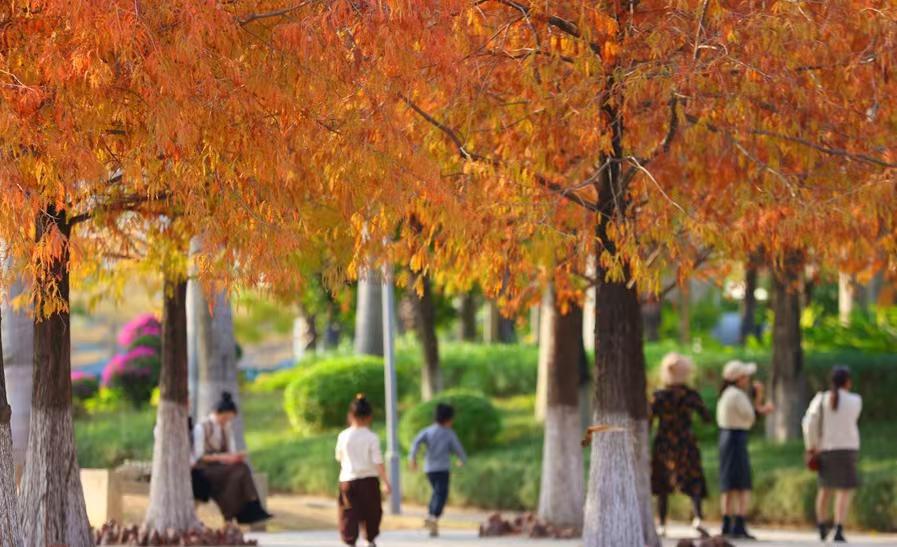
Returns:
(18, 347)
(749, 306)
(562, 491)
(51, 500)
(468, 316)
(547, 319)
(217, 360)
(10, 534)
(369, 315)
(789, 385)
(171, 495)
(850, 293)
(425, 326)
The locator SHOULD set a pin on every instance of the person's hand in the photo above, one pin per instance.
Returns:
(387, 489)
(459, 463)
(759, 389)
(768, 408)
(413, 466)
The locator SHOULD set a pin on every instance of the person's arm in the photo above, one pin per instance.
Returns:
(458, 449)
(199, 444)
(760, 407)
(697, 404)
(810, 424)
(338, 452)
(377, 458)
(415, 447)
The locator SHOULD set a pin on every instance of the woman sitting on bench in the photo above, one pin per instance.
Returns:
(219, 471)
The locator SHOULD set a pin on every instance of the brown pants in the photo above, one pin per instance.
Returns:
(231, 486)
(359, 503)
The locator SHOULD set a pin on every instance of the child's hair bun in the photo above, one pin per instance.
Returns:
(360, 396)
(226, 396)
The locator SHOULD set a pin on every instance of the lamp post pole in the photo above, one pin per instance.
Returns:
(393, 455)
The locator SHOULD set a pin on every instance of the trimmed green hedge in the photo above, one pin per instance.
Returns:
(319, 396)
(477, 422)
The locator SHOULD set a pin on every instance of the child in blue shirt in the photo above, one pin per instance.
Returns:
(441, 442)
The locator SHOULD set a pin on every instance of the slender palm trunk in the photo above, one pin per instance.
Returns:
(562, 491)
(10, 534)
(171, 495)
(789, 384)
(425, 325)
(18, 346)
(51, 501)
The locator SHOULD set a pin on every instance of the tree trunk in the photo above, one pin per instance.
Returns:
(171, 494)
(333, 330)
(562, 495)
(369, 315)
(490, 326)
(10, 535)
(217, 361)
(849, 294)
(651, 318)
(507, 330)
(468, 317)
(18, 346)
(425, 325)
(685, 312)
(749, 307)
(51, 500)
(196, 302)
(618, 507)
(788, 381)
(547, 320)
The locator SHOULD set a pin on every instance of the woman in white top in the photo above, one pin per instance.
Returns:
(736, 412)
(832, 436)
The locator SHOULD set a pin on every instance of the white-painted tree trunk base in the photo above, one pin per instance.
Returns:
(612, 515)
(51, 501)
(10, 534)
(171, 494)
(562, 493)
(547, 342)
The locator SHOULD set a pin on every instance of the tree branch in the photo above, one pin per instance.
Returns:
(126, 203)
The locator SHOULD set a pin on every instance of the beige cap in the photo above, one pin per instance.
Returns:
(736, 369)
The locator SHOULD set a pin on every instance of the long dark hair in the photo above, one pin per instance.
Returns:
(840, 377)
(725, 385)
(226, 403)
(361, 407)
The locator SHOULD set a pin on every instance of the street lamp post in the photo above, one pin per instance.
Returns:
(393, 455)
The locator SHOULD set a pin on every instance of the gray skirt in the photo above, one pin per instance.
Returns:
(838, 469)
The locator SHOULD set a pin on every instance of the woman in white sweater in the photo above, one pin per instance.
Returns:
(832, 436)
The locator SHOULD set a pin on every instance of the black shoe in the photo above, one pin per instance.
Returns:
(727, 526)
(824, 528)
(739, 529)
(839, 535)
(253, 513)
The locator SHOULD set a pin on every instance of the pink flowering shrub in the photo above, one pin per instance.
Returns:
(134, 373)
(84, 385)
(142, 326)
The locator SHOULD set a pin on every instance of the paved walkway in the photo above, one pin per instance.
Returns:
(454, 538)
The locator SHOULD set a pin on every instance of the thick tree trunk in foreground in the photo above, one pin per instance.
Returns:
(749, 306)
(217, 361)
(51, 501)
(547, 319)
(789, 384)
(10, 535)
(468, 317)
(562, 494)
(171, 494)
(18, 347)
(618, 507)
(369, 315)
(425, 326)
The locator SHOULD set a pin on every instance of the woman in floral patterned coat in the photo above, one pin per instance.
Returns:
(675, 457)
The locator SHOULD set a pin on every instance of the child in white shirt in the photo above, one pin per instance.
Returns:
(361, 470)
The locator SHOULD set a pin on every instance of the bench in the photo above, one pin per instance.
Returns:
(105, 488)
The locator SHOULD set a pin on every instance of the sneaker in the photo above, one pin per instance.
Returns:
(824, 530)
(434, 529)
(727, 526)
(740, 531)
(662, 531)
(253, 513)
(839, 535)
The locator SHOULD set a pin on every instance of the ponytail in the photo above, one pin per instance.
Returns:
(840, 378)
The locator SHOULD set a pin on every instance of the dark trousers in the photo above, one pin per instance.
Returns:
(359, 503)
(439, 480)
(230, 485)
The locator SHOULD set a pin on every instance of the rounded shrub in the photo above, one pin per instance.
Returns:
(477, 422)
(318, 397)
(145, 324)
